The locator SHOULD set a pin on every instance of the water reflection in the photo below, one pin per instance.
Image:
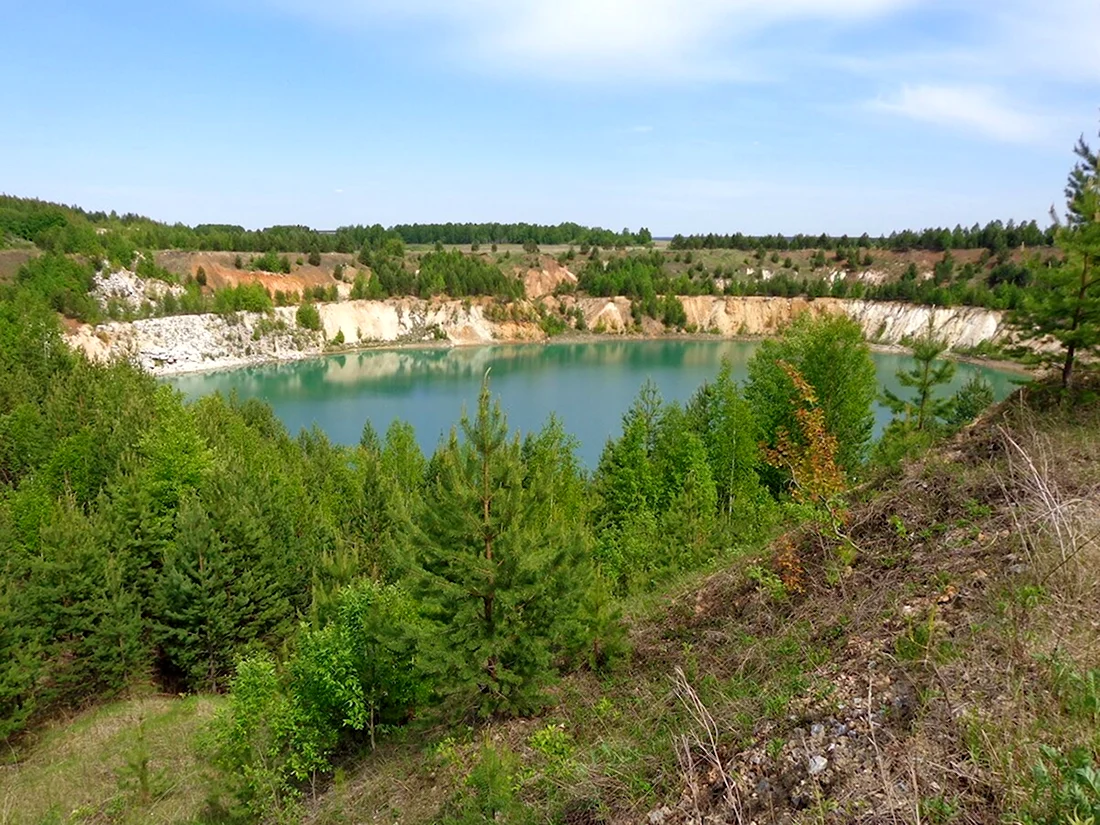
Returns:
(588, 385)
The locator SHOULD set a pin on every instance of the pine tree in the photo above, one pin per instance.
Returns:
(723, 419)
(195, 626)
(1064, 303)
(930, 371)
(498, 579)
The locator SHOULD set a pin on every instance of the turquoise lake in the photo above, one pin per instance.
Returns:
(588, 385)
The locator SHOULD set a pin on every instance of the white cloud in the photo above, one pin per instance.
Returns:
(976, 109)
(598, 39)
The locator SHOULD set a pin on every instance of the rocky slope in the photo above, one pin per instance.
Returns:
(186, 343)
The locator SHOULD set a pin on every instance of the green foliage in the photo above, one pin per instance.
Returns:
(503, 578)
(272, 262)
(308, 317)
(242, 298)
(657, 507)
(354, 676)
(458, 275)
(924, 411)
(972, 399)
(1068, 788)
(672, 312)
(261, 742)
(1065, 303)
(830, 353)
(62, 283)
(148, 268)
(490, 793)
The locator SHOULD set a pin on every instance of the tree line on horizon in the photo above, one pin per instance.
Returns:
(996, 236)
(71, 229)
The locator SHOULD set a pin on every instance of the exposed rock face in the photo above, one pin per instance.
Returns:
(883, 322)
(539, 282)
(127, 289)
(606, 314)
(185, 343)
(893, 323)
(749, 316)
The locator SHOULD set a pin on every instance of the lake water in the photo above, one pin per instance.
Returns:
(588, 385)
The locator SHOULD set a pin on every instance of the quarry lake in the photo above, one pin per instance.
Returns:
(588, 385)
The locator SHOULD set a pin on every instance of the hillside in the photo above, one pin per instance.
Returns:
(924, 669)
(933, 658)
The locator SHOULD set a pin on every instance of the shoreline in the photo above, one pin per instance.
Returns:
(566, 338)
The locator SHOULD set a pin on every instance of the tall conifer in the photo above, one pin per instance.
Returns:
(498, 577)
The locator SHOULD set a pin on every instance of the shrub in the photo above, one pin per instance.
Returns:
(314, 258)
(354, 675)
(64, 284)
(833, 357)
(242, 298)
(200, 277)
(308, 317)
(272, 262)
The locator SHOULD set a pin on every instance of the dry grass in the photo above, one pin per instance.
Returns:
(78, 772)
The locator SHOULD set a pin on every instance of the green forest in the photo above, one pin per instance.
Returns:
(339, 595)
(338, 592)
(64, 228)
(1013, 256)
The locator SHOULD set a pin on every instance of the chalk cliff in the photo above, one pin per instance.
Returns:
(185, 343)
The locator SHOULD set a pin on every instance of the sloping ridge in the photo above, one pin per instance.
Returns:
(925, 661)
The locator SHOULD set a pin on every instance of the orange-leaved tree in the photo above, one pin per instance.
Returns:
(810, 455)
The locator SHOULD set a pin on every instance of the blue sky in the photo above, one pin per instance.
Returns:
(683, 116)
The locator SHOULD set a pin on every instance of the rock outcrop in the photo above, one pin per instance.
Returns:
(186, 343)
(129, 291)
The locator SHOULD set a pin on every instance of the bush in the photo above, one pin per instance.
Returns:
(353, 676)
(200, 277)
(272, 262)
(314, 258)
(832, 355)
(242, 298)
(63, 283)
(308, 317)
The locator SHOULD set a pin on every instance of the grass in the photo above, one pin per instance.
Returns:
(129, 762)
